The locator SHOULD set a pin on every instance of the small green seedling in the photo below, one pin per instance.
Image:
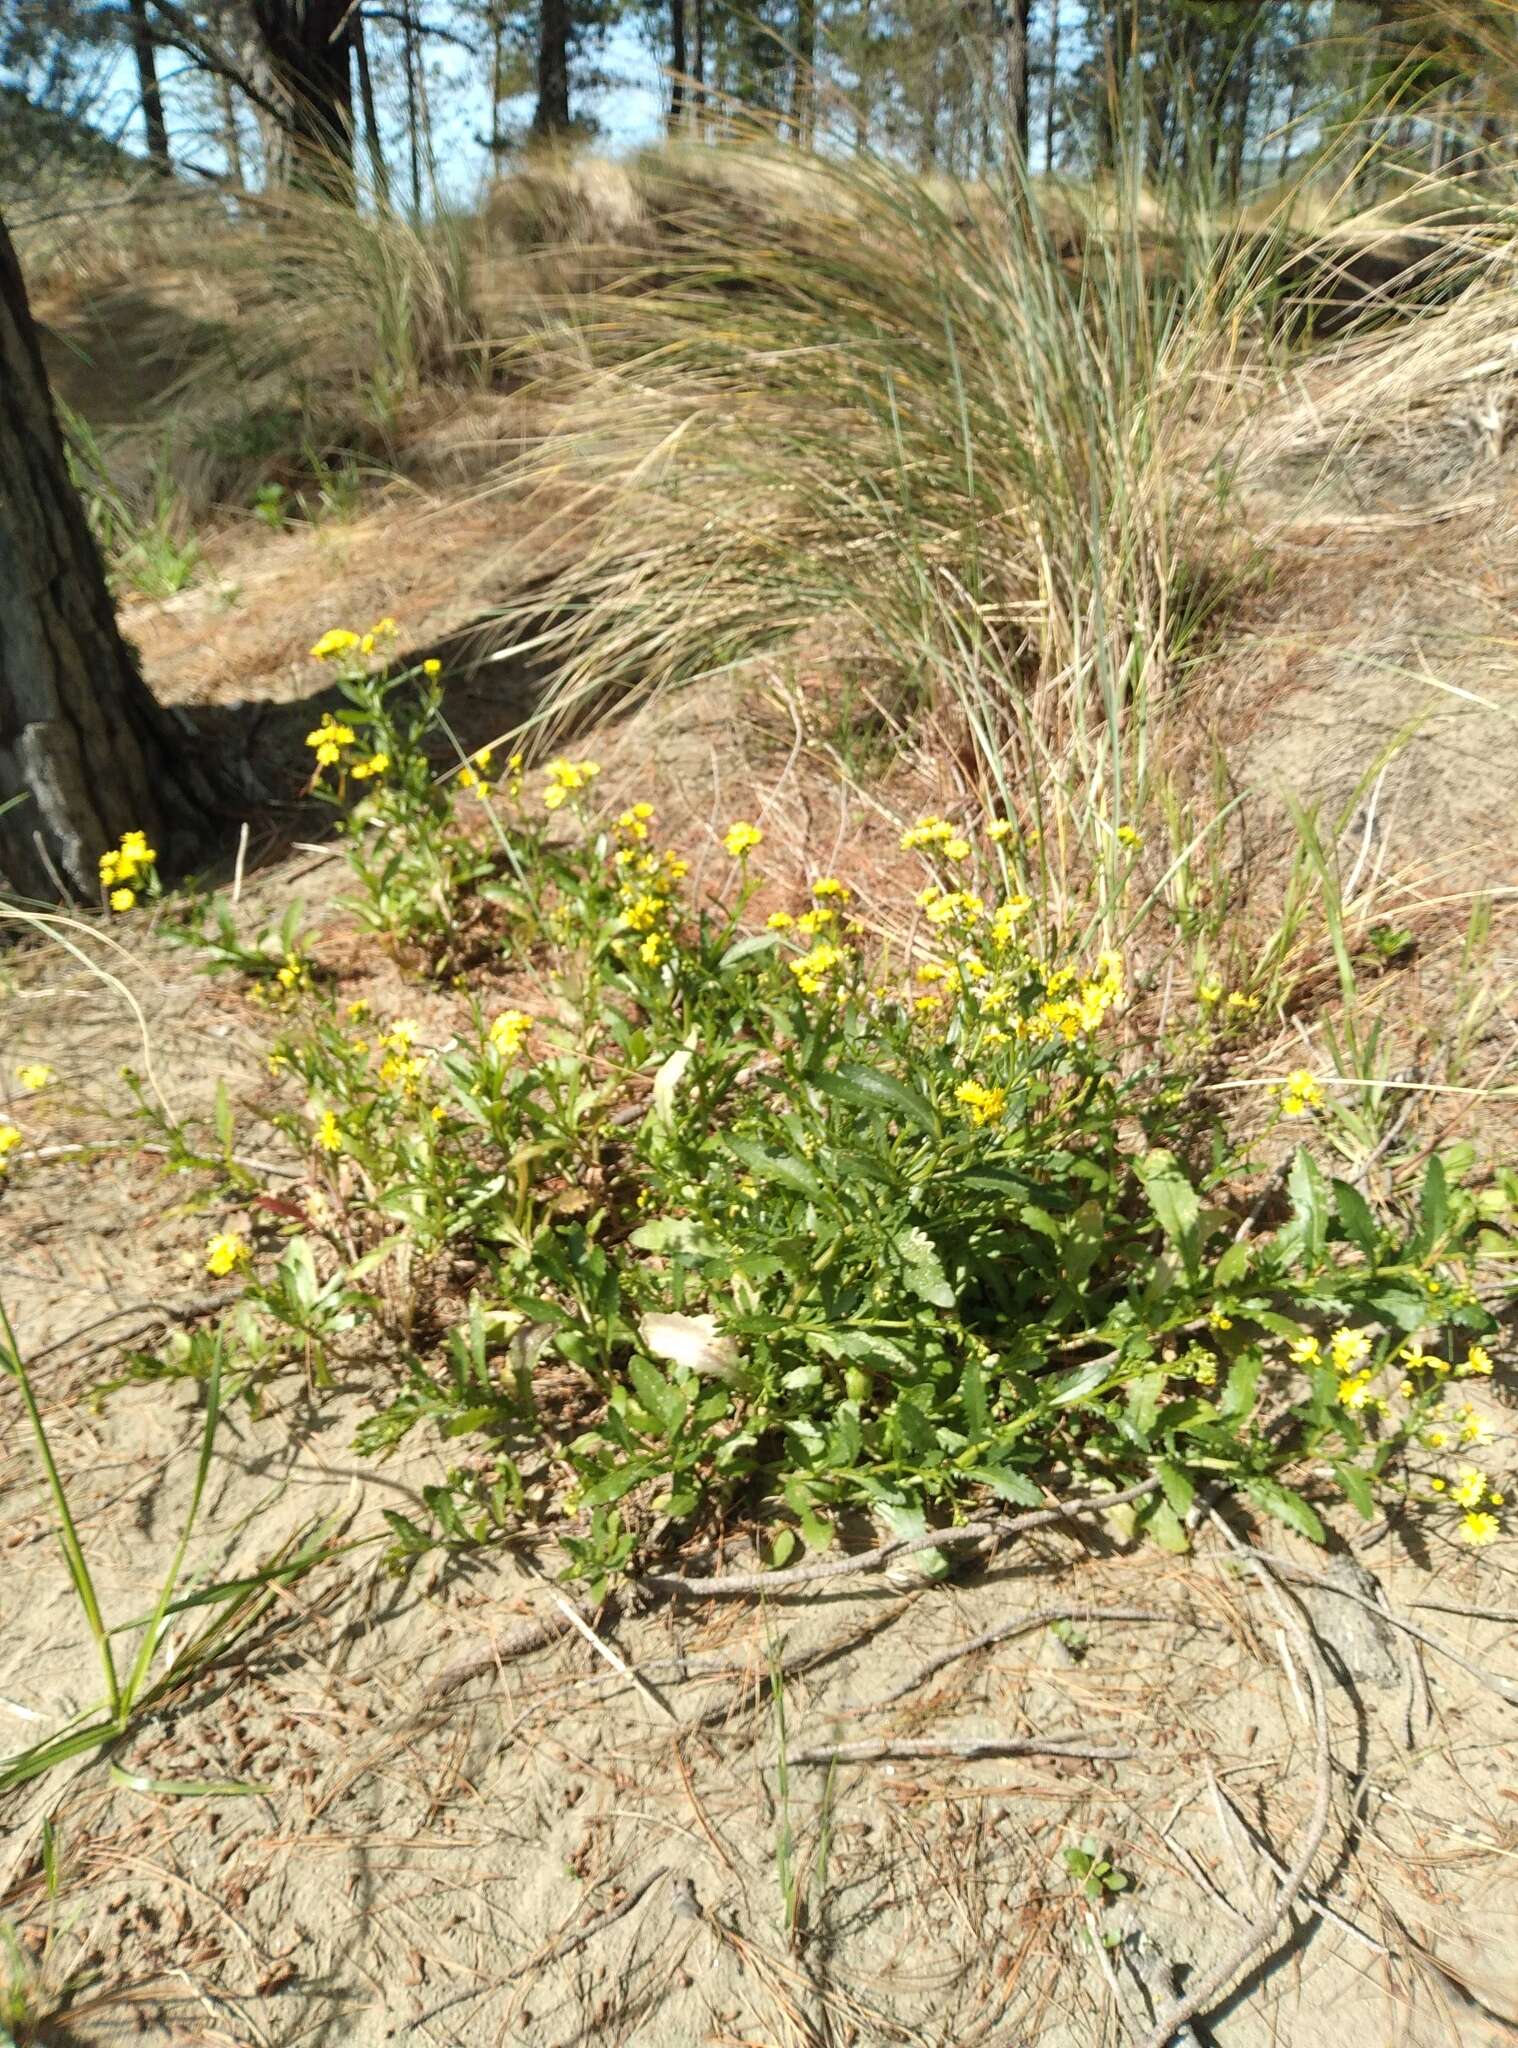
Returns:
(1089, 1869)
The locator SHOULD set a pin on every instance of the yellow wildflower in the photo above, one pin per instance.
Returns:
(643, 913)
(567, 779)
(741, 838)
(811, 968)
(376, 764)
(1000, 829)
(828, 886)
(1209, 991)
(1306, 1351)
(336, 640)
(122, 899)
(1354, 1391)
(1299, 1092)
(1478, 1362)
(329, 1134)
(956, 849)
(36, 1074)
(1127, 836)
(432, 668)
(985, 1105)
(815, 920)
(10, 1139)
(1216, 1320)
(779, 921)
(651, 952)
(1478, 1530)
(1242, 1004)
(634, 821)
(225, 1252)
(509, 1032)
(1348, 1348)
(1470, 1489)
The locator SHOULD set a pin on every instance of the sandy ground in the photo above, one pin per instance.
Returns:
(562, 1850)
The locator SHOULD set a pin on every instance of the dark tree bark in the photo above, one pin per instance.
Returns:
(1016, 33)
(678, 61)
(803, 81)
(551, 116)
(147, 87)
(308, 46)
(82, 743)
(379, 170)
(1051, 111)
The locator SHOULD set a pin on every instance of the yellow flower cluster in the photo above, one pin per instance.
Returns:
(400, 1068)
(330, 740)
(812, 969)
(634, 822)
(567, 779)
(336, 640)
(646, 884)
(225, 1252)
(935, 835)
(741, 838)
(123, 872)
(983, 1105)
(1299, 1093)
(475, 770)
(508, 1033)
(329, 1132)
(1075, 1005)
(10, 1141)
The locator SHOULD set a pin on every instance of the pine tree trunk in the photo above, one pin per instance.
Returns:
(82, 743)
(308, 47)
(1016, 35)
(379, 169)
(551, 116)
(677, 63)
(148, 88)
(1051, 110)
(803, 83)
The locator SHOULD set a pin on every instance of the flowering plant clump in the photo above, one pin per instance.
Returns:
(809, 1226)
(129, 871)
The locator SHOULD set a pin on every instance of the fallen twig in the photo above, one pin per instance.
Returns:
(996, 1533)
(1311, 1901)
(1017, 1625)
(517, 1642)
(966, 1748)
(1505, 1688)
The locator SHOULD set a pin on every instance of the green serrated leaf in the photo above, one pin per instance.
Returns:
(922, 1268)
(868, 1088)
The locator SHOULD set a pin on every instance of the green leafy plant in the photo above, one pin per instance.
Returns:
(1089, 1868)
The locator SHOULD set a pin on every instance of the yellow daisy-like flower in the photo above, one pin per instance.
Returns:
(828, 886)
(1000, 830)
(329, 1133)
(36, 1074)
(122, 899)
(741, 838)
(225, 1253)
(956, 849)
(1299, 1093)
(1478, 1530)
(1354, 1391)
(985, 1105)
(1478, 1362)
(10, 1141)
(779, 921)
(1470, 1488)
(1305, 1351)
(1209, 992)
(509, 1032)
(336, 640)
(1348, 1348)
